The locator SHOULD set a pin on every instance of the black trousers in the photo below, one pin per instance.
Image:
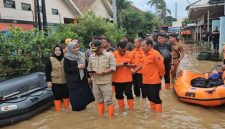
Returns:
(60, 91)
(138, 85)
(167, 71)
(152, 92)
(121, 88)
(223, 61)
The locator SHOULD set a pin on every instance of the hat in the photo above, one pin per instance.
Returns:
(68, 40)
(95, 45)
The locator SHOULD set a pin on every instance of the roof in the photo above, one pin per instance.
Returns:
(198, 9)
(85, 5)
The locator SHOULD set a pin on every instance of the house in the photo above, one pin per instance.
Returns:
(101, 8)
(207, 14)
(20, 13)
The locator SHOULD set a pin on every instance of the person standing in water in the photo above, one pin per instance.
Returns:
(55, 77)
(76, 75)
(101, 66)
(122, 77)
(152, 71)
(166, 51)
(177, 52)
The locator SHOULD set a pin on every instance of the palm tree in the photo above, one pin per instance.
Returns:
(160, 6)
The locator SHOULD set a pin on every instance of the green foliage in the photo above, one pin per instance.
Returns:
(137, 23)
(90, 25)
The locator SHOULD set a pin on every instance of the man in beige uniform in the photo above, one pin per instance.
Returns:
(101, 65)
(178, 53)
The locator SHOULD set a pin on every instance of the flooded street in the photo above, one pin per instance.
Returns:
(176, 114)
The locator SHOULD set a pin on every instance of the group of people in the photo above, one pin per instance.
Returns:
(80, 78)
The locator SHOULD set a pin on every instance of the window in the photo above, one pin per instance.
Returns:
(55, 12)
(9, 4)
(26, 7)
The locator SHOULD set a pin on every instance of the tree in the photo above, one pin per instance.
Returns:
(121, 6)
(161, 8)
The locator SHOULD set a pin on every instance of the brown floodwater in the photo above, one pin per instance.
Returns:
(175, 115)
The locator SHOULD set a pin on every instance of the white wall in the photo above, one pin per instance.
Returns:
(19, 14)
(63, 9)
(100, 10)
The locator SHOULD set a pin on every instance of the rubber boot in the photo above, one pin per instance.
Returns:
(121, 104)
(110, 111)
(100, 109)
(152, 105)
(130, 103)
(58, 105)
(167, 86)
(158, 107)
(66, 103)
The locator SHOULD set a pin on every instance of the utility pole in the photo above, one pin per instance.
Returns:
(38, 14)
(35, 14)
(114, 12)
(44, 17)
(176, 10)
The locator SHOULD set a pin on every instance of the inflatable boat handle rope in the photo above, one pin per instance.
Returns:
(18, 95)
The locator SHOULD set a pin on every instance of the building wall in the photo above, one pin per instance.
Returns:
(19, 14)
(100, 10)
(63, 9)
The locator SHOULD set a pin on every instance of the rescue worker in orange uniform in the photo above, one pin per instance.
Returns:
(153, 70)
(122, 77)
(137, 56)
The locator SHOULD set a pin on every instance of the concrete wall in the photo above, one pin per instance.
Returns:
(19, 14)
(63, 9)
(100, 10)
(222, 33)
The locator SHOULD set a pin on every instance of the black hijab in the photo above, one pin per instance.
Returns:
(59, 58)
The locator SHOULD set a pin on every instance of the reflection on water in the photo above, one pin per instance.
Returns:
(176, 114)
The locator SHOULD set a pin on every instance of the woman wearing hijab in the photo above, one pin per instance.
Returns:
(76, 76)
(55, 76)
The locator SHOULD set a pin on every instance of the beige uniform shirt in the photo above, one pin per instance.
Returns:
(100, 63)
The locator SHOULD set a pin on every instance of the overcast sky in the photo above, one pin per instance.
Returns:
(142, 4)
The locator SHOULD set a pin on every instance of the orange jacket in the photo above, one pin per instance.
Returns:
(137, 57)
(122, 74)
(153, 68)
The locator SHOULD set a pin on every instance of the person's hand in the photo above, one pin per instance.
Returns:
(81, 66)
(49, 84)
(172, 68)
(133, 71)
(131, 65)
(119, 65)
(99, 73)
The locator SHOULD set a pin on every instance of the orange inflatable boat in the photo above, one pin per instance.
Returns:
(209, 97)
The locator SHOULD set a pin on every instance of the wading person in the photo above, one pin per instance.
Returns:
(55, 77)
(177, 53)
(215, 39)
(101, 66)
(76, 75)
(122, 77)
(166, 51)
(137, 56)
(152, 70)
